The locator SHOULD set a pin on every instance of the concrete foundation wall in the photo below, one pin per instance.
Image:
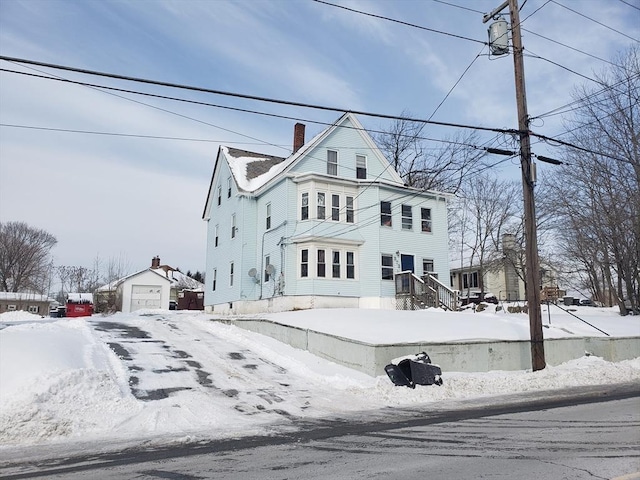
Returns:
(479, 356)
(283, 304)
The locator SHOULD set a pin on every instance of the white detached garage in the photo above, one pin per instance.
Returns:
(142, 290)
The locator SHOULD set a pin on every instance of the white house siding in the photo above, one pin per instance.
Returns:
(229, 249)
(366, 238)
(267, 241)
(132, 294)
(349, 143)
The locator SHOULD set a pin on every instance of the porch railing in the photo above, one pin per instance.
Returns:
(415, 293)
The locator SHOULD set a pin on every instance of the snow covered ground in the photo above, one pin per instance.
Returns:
(181, 375)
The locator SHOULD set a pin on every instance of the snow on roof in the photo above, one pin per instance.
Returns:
(251, 170)
(178, 279)
(80, 297)
(116, 283)
(23, 296)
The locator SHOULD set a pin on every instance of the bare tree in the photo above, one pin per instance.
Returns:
(597, 191)
(442, 167)
(24, 257)
(487, 209)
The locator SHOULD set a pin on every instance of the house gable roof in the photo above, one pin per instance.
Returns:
(252, 171)
(116, 283)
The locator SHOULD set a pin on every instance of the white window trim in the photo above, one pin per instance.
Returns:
(329, 248)
(331, 163)
(403, 217)
(386, 266)
(425, 260)
(313, 190)
(430, 220)
(268, 217)
(365, 166)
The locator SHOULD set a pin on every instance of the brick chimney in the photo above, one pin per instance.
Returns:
(298, 136)
(155, 262)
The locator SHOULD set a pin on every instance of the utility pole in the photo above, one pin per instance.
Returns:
(532, 262)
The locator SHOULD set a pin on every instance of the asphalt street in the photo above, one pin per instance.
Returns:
(569, 434)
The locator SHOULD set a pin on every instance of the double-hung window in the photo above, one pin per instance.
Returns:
(407, 217)
(304, 211)
(268, 223)
(219, 194)
(351, 266)
(385, 214)
(427, 266)
(387, 267)
(321, 199)
(231, 274)
(426, 219)
(217, 235)
(233, 226)
(361, 166)
(215, 279)
(332, 162)
(304, 263)
(335, 208)
(229, 187)
(321, 270)
(349, 209)
(335, 271)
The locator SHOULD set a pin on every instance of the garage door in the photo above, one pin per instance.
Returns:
(146, 296)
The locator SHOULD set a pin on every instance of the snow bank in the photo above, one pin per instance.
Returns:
(60, 380)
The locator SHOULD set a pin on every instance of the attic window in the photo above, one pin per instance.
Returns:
(361, 166)
(219, 195)
(332, 162)
(229, 187)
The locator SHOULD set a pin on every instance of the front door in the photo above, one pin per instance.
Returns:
(406, 263)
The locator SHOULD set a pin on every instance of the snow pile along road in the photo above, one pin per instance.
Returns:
(158, 373)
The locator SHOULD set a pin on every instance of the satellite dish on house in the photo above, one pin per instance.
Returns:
(270, 269)
(253, 272)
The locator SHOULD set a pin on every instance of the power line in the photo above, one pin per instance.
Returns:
(535, 11)
(131, 135)
(234, 94)
(457, 82)
(243, 110)
(570, 47)
(557, 111)
(534, 55)
(567, 144)
(595, 21)
(381, 17)
(458, 6)
(632, 6)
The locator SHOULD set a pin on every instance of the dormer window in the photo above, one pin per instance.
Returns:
(361, 166)
(332, 162)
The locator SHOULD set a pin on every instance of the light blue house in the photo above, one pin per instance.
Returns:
(329, 226)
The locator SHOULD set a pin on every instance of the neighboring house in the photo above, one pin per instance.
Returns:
(329, 226)
(29, 302)
(500, 278)
(160, 286)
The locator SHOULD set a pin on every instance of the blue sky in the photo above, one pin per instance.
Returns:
(111, 195)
